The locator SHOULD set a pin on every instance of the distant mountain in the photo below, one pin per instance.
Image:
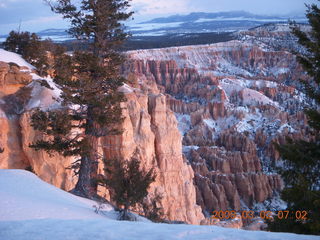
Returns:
(218, 15)
(200, 22)
(57, 35)
(193, 23)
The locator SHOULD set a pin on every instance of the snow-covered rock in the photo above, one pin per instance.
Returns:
(10, 57)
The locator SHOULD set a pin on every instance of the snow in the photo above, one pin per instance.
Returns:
(282, 27)
(184, 123)
(251, 97)
(154, 26)
(265, 83)
(225, 66)
(243, 126)
(43, 97)
(231, 85)
(278, 71)
(200, 20)
(2, 113)
(98, 229)
(198, 57)
(25, 197)
(125, 88)
(210, 123)
(187, 149)
(8, 57)
(286, 126)
(33, 209)
(274, 204)
(153, 33)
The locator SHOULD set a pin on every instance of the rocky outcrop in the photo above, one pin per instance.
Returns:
(16, 132)
(228, 59)
(151, 129)
(12, 78)
(52, 168)
(225, 178)
(10, 140)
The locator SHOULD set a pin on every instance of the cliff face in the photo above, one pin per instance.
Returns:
(150, 127)
(11, 80)
(21, 91)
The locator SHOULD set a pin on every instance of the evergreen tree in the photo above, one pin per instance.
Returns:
(90, 87)
(152, 210)
(36, 54)
(128, 183)
(17, 42)
(301, 172)
(32, 49)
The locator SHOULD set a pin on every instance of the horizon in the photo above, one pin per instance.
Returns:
(65, 27)
(15, 14)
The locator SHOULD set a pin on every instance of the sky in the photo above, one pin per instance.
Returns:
(35, 15)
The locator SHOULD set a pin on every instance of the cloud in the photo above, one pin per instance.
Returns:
(160, 7)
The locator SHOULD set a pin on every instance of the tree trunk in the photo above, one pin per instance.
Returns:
(88, 173)
(124, 213)
(87, 182)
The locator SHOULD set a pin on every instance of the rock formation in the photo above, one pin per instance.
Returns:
(151, 128)
(233, 101)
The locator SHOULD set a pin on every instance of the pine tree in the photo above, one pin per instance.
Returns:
(152, 209)
(128, 183)
(302, 158)
(31, 47)
(17, 42)
(90, 87)
(35, 53)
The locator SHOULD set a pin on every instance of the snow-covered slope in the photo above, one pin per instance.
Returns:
(24, 196)
(8, 57)
(33, 209)
(275, 36)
